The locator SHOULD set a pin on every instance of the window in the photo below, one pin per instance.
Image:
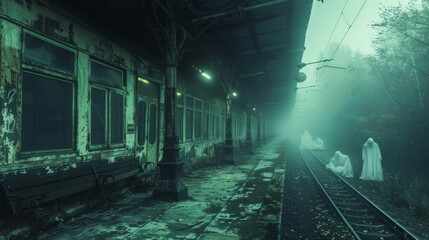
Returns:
(47, 119)
(206, 121)
(152, 123)
(107, 107)
(117, 118)
(106, 75)
(179, 117)
(222, 126)
(198, 119)
(141, 123)
(179, 123)
(42, 53)
(216, 126)
(98, 116)
(211, 122)
(47, 101)
(189, 118)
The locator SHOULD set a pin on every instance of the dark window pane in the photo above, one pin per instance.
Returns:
(189, 123)
(197, 124)
(198, 105)
(152, 123)
(216, 126)
(141, 121)
(47, 119)
(98, 116)
(211, 127)
(206, 125)
(189, 102)
(148, 89)
(222, 127)
(179, 99)
(44, 53)
(107, 75)
(179, 123)
(116, 118)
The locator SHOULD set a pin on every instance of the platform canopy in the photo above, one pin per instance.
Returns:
(261, 41)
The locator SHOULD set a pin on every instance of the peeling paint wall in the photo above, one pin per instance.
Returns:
(44, 18)
(10, 88)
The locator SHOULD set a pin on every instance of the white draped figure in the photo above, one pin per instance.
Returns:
(341, 165)
(371, 156)
(318, 144)
(306, 141)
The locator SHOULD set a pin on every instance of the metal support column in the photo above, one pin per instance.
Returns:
(258, 131)
(229, 142)
(249, 145)
(169, 185)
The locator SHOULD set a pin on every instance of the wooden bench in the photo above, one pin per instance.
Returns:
(26, 193)
(150, 169)
(219, 150)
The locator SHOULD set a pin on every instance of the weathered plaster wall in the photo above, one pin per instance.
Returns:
(10, 88)
(46, 19)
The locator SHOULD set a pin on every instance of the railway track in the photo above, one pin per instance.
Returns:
(364, 219)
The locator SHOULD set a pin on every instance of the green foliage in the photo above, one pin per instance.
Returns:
(393, 191)
(415, 196)
(418, 197)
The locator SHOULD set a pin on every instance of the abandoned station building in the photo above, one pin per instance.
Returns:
(101, 96)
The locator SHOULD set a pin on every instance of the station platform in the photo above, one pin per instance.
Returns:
(240, 201)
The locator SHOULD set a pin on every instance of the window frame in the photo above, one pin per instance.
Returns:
(106, 118)
(93, 80)
(109, 89)
(35, 66)
(109, 106)
(73, 117)
(192, 109)
(200, 111)
(46, 71)
(180, 106)
(139, 100)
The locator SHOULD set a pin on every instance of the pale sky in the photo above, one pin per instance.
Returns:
(322, 22)
(321, 25)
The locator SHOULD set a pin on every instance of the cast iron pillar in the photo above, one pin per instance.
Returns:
(169, 185)
(258, 131)
(249, 147)
(229, 142)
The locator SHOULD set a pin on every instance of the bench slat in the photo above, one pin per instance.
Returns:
(29, 191)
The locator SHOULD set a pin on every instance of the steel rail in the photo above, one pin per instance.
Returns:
(390, 223)
(330, 200)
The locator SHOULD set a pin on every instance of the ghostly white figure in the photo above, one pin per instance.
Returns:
(318, 144)
(341, 165)
(306, 141)
(371, 156)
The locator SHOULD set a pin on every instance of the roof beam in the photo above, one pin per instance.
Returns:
(242, 9)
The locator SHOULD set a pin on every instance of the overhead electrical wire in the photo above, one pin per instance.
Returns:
(333, 31)
(345, 34)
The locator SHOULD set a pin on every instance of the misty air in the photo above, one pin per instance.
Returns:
(202, 119)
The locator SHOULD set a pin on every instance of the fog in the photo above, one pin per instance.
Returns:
(377, 84)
